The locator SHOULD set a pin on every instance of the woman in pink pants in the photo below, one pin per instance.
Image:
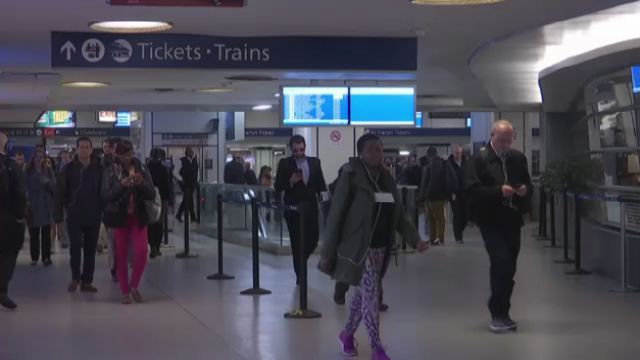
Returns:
(126, 186)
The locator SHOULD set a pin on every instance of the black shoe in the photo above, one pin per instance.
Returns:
(383, 307)
(47, 262)
(153, 253)
(513, 326)
(88, 288)
(7, 303)
(114, 276)
(179, 218)
(339, 299)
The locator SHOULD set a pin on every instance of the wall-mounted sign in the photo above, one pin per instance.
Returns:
(186, 139)
(103, 50)
(57, 119)
(335, 138)
(201, 3)
(94, 132)
(107, 116)
(268, 132)
(413, 132)
(22, 132)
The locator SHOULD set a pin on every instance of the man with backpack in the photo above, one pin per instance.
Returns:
(13, 203)
(434, 191)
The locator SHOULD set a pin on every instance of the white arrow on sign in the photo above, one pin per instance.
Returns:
(68, 48)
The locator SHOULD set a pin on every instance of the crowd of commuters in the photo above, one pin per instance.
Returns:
(492, 189)
(72, 199)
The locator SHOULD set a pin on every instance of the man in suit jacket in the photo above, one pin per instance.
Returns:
(301, 179)
(189, 174)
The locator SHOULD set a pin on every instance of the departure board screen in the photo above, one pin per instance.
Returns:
(315, 106)
(387, 106)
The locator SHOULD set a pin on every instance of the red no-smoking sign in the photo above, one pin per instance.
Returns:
(335, 136)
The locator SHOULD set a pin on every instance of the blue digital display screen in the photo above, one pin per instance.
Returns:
(123, 119)
(635, 78)
(419, 120)
(315, 106)
(383, 105)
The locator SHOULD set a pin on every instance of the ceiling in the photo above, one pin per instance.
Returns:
(512, 67)
(452, 35)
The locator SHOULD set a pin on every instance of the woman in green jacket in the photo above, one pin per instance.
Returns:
(366, 212)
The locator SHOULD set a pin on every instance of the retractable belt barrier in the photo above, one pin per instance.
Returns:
(187, 254)
(623, 201)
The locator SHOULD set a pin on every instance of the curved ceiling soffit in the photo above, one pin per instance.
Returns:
(523, 43)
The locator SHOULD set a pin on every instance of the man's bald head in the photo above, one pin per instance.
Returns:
(4, 139)
(501, 136)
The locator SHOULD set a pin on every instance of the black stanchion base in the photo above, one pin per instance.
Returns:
(541, 238)
(184, 255)
(256, 292)
(219, 276)
(579, 272)
(302, 314)
(565, 261)
(628, 289)
(552, 246)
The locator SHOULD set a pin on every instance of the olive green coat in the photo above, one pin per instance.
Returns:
(351, 222)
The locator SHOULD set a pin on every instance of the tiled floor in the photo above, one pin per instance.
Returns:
(437, 312)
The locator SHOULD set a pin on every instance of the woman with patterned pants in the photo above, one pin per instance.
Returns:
(365, 212)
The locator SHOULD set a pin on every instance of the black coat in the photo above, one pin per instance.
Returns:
(234, 173)
(189, 172)
(455, 175)
(116, 196)
(250, 177)
(300, 192)
(79, 194)
(13, 206)
(161, 178)
(434, 185)
(484, 180)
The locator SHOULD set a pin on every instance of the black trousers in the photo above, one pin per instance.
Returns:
(84, 239)
(503, 245)
(188, 195)
(458, 208)
(155, 233)
(7, 266)
(311, 229)
(40, 238)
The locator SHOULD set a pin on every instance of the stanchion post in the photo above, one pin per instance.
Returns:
(542, 215)
(565, 221)
(624, 286)
(552, 199)
(404, 206)
(165, 223)
(220, 275)
(187, 254)
(255, 247)
(302, 312)
(198, 203)
(578, 243)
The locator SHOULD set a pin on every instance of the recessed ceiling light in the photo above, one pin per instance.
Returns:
(454, 2)
(218, 90)
(262, 107)
(85, 84)
(129, 27)
(277, 94)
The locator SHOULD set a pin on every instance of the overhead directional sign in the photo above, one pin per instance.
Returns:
(102, 50)
(204, 3)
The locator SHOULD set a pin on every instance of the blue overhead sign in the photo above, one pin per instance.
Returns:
(268, 132)
(414, 132)
(101, 50)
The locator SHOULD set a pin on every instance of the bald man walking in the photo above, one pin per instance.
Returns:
(13, 204)
(499, 187)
